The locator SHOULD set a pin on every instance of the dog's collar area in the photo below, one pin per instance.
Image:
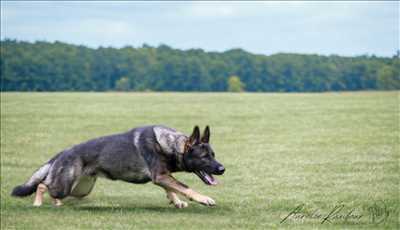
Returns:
(186, 147)
(181, 161)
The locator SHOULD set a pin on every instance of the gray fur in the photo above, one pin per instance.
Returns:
(39, 175)
(170, 140)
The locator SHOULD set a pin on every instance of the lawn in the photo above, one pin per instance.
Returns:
(323, 160)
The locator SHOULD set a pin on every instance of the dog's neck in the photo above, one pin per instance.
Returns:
(173, 144)
(171, 141)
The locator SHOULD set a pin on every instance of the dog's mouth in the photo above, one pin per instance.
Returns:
(208, 179)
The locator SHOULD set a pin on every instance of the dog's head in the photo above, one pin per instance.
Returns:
(200, 158)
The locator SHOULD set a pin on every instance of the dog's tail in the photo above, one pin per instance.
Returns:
(30, 186)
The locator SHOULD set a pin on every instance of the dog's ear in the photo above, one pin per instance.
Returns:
(206, 135)
(195, 137)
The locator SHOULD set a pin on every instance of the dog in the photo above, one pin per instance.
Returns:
(141, 155)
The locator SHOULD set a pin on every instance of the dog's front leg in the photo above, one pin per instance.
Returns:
(174, 199)
(171, 184)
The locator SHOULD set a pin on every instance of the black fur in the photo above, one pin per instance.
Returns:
(23, 190)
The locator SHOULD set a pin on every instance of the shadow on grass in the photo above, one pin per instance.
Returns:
(193, 209)
(169, 210)
(121, 205)
(85, 206)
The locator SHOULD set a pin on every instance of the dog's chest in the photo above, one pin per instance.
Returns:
(136, 175)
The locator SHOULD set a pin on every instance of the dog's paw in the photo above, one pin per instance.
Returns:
(37, 204)
(207, 201)
(174, 199)
(57, 202)
(180, 204)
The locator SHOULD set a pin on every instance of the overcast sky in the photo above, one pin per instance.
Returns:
(344, 28)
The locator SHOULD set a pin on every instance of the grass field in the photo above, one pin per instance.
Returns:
(332, 156)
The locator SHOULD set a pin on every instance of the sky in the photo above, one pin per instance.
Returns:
(341, 28)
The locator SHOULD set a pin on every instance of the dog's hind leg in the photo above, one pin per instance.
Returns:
(83, 186)
(41, 189)
(61, 179)
(174, 199)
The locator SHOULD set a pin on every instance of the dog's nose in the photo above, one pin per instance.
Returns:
(221, 169)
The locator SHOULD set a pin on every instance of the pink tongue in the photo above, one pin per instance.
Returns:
(211, 179)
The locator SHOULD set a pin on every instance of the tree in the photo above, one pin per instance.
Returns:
(388, 78)
(57, 66)
(123, 84)
(235, 84)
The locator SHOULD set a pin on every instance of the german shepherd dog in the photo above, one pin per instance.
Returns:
(143, 154)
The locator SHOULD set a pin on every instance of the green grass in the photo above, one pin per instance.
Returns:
(279, 150)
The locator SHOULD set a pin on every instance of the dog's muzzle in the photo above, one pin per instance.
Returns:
(220, 170)
(208, 178)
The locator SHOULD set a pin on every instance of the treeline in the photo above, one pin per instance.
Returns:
(44, 66)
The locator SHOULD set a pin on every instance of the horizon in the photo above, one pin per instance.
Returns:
(345, 29)
(205, 51)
